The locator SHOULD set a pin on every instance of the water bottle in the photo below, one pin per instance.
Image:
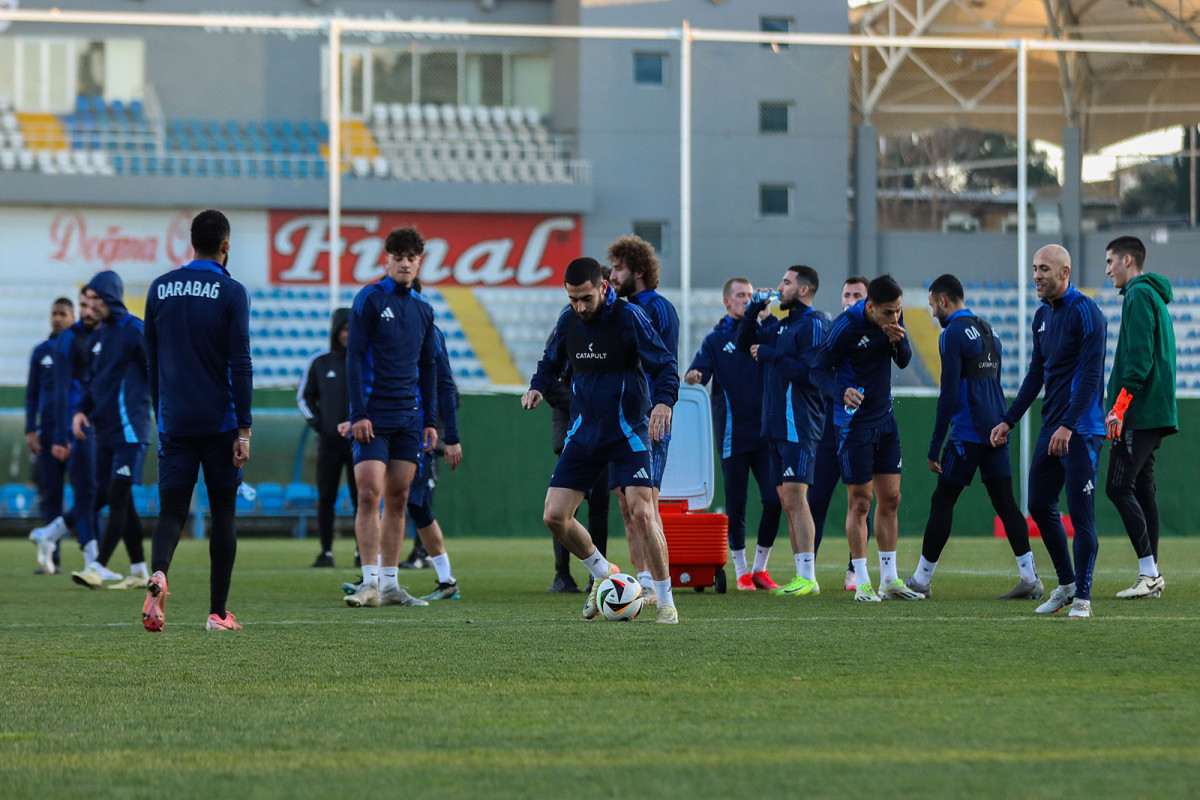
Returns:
(851, 409)
(764, 296)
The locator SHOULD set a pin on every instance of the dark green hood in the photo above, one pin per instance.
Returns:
(1152, 281)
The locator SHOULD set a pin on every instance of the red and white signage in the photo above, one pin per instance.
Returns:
(460, 249)
(69, 245)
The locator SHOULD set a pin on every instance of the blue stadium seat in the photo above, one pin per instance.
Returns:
(270, 497)
(201, 497)
(245, 505)
(343, 500)
(141, 500)
(16, 498)
(136, 109)
(300, 496)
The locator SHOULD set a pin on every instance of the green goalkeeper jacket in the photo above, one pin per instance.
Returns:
(1144, 364)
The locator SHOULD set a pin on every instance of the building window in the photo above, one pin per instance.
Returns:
(648, 69)
(47, 75)
(654, 232)
(772, 117)
(774, 200)
(776, 25)
(382, 76)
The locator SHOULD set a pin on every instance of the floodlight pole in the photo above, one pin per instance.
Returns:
(335, 161)
(1023, 246)
(685, 192)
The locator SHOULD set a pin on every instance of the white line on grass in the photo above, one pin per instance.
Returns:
(412, 620)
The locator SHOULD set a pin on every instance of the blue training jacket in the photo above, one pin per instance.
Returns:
(39, 389)
(792, 404)
(972, 405)
(72, 356)
(737, 389)
(611, 405)
(1069, 336)
(116, 396)
(856, 354)
(198, 340)
(662, 316)
(391, 357)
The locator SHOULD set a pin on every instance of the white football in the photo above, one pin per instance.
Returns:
(620, 597)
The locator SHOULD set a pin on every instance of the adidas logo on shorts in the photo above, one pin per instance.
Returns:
(787, 473)
(387, 314)
(124, 472)
(641, 473)
(1089, 488)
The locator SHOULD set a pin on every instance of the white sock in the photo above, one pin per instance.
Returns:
(1069, 588)
(887, 568)
(442, 565)
(1147, 567)
(663, 590)
(389, 578)
(57, 530)
(370, 575)
(91, 551)
(861, 576)
(644, 578)
(597, 565)
(806, 566)
(925, 571)
(739, 562)
(1025, 565)
(761, 554)
(139, 569)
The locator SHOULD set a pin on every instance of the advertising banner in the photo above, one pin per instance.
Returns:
(461, 249)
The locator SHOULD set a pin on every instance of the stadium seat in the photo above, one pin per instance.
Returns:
(299, 496)
(16, 498)
(270, 497)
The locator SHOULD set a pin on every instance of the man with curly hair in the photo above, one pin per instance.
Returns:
(635, 271)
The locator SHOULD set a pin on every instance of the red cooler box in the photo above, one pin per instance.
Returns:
(696, 541)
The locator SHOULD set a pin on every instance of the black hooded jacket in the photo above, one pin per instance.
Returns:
(323, 398)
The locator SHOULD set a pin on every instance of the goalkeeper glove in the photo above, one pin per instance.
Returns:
(1114, 423)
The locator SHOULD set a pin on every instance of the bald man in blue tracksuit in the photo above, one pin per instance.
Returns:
(202, 382)
(610, 347)
(792, 407)
(115, 409)
(737, 402)
(1069, 336)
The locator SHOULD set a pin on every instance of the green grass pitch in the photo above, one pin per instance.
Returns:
(508, 693)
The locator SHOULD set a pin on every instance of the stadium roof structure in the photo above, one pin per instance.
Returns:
(1111, 96)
